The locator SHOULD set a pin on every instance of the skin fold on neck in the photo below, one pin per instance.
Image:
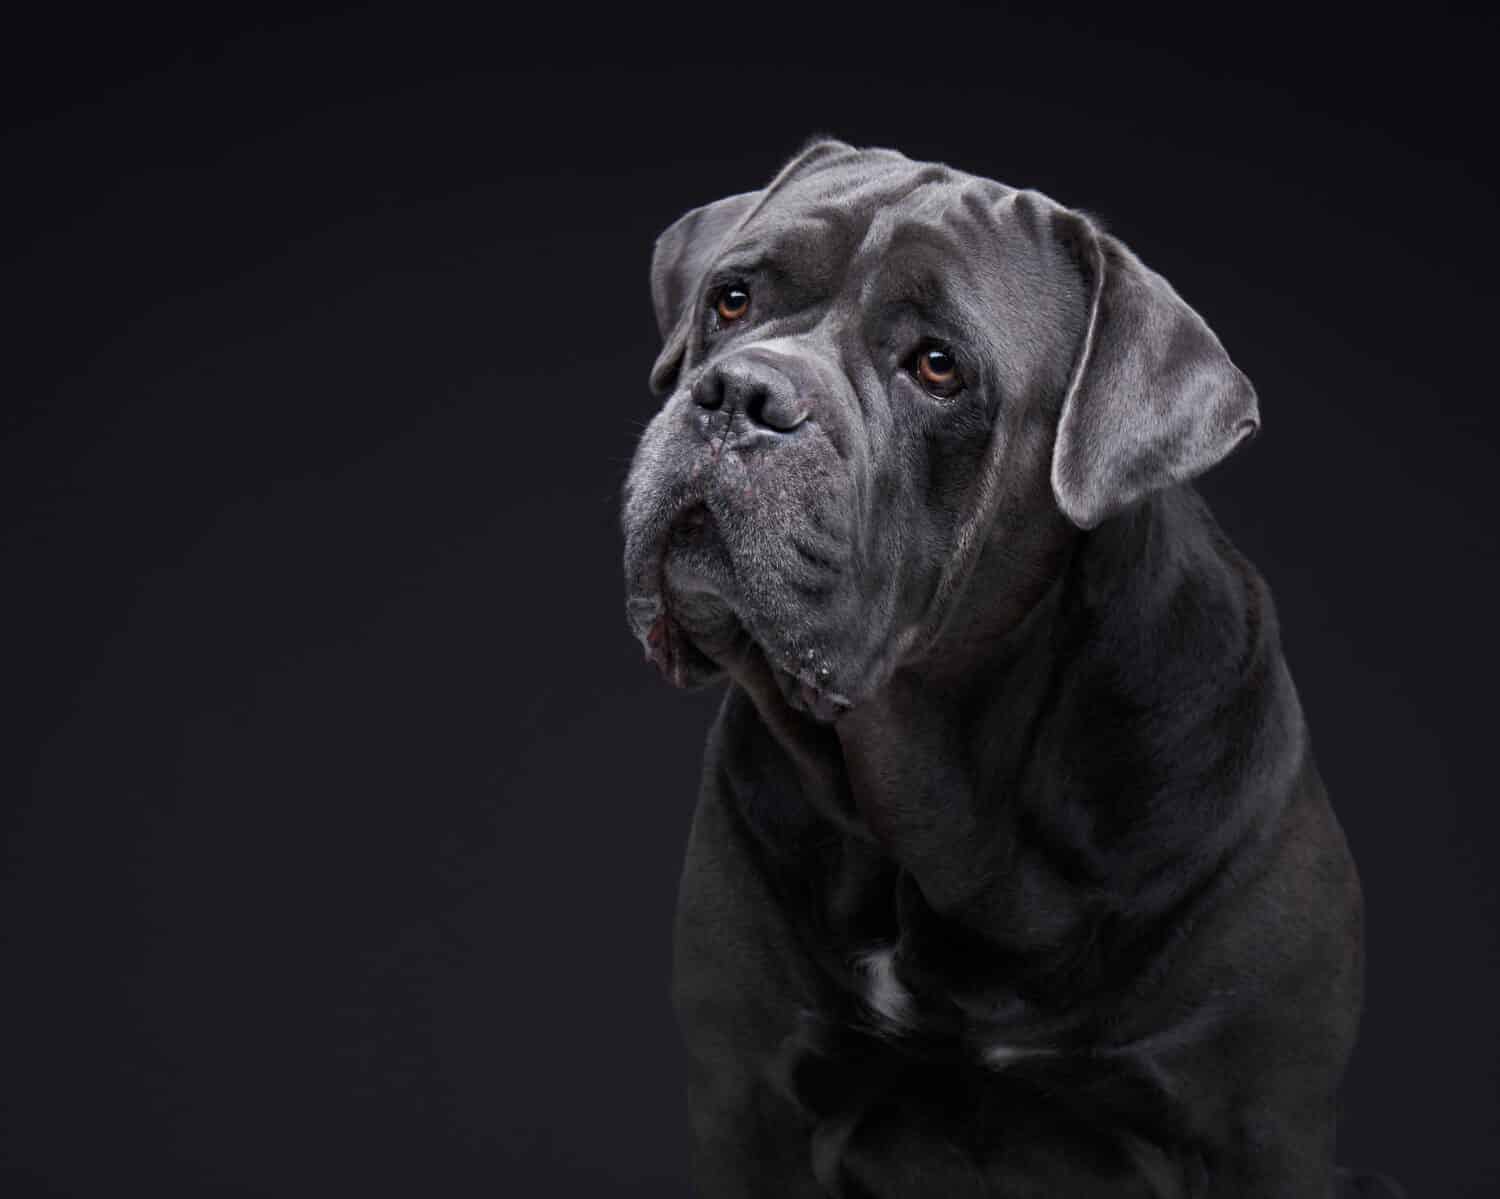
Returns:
(1073, 761)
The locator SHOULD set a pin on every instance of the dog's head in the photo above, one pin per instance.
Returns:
(877, 374)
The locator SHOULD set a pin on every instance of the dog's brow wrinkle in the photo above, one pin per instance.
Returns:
(778, 347)
(824, 214)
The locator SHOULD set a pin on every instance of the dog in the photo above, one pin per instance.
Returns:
(1012, 873)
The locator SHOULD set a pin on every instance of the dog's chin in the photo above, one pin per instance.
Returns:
(695, 631)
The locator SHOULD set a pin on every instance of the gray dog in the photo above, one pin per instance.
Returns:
(1011, 873)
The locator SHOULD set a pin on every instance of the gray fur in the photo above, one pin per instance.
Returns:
(1012, 871)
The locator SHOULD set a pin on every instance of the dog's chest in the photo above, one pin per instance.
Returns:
(890, 1067)
(895, 1009)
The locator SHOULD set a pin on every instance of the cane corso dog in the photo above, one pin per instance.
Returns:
(1011, 873)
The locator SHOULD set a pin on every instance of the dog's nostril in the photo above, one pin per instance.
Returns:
(766, 401)
(708, 391)
(774, 410)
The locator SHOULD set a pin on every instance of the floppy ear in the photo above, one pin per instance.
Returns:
(681, 258)
(1154, 399)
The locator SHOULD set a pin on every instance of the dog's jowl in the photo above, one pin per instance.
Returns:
(1012, 873)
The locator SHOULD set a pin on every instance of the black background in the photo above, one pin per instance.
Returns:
(345, 823)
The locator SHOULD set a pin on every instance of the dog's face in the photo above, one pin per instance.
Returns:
(879, 373)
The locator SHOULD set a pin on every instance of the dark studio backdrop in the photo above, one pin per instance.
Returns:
(342, 817)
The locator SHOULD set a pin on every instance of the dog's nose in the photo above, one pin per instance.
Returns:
(754, 388)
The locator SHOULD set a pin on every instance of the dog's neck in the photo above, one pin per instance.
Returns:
(1104, 746)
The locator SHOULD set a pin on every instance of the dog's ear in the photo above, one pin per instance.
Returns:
(682, 256)
(1153, 399)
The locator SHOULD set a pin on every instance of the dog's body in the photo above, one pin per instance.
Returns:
(1012, 872)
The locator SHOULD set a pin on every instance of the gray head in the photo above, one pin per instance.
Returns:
(884, 381)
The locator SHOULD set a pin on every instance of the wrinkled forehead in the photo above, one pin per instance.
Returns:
(884, 229)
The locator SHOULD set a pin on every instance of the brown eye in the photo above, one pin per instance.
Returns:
(938, 371)
(733, 303)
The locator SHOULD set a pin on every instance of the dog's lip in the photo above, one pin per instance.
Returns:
(656, 610)
(661, 614)
(810, 696)
(668, 646)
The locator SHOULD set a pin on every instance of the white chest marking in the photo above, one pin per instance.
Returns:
(998, 1056)
(882, 989)
(885, 995)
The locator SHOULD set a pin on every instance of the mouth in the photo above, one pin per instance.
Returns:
(677, 613)
(691, 630)
(668, 646)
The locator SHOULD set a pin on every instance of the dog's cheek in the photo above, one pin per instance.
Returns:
(657, 479)
(914, 507)
(653, 492)
(790, 530)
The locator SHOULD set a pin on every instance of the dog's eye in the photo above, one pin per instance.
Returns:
(733, 303)
(937, 371)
